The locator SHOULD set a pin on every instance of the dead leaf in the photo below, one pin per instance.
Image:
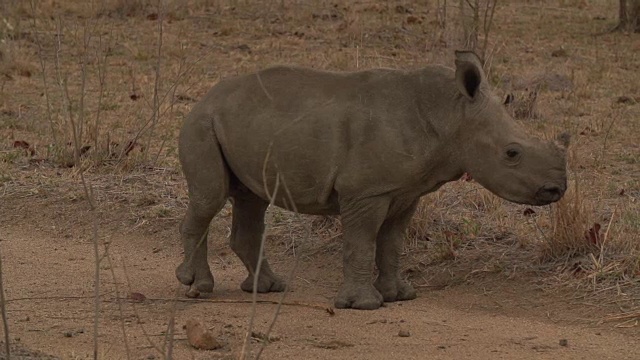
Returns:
(199, 337)
(132, 145)
(20, 144)
(403, 10)
(626, 100)
(185, 98)
(137, 297)
(24, 72)
(528, 212)
(621, 192)
(559, 53)
(152, 16)
(412, 19)
(84, 149)
(593, 235)
(330, 311)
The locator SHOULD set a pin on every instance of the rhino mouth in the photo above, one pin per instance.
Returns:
(549, 193)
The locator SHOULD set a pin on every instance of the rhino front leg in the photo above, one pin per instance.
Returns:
(246, 234)
(361, 221)
(388, 250)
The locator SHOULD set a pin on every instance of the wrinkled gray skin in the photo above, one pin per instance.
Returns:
(366, 145)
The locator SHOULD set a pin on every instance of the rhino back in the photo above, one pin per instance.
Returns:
(358, 133)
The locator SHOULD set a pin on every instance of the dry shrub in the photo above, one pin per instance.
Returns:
(600, 253)
(569, 223)
(124, 8)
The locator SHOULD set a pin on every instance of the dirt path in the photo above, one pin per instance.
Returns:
(494, 320)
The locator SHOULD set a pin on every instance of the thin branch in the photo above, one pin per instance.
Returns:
(119, 302)
(289, 280)
(5, 321)
(156, 84)
(256, 274)
(43, 67)
(135, 311)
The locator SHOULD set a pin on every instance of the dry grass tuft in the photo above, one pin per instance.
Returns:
(570, 236)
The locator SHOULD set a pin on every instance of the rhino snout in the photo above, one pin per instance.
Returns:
(550, 193)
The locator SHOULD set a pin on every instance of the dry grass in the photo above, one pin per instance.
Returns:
(590, 88)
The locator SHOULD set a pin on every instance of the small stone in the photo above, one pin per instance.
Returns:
(199, 337)
(404, 333)
(564, 342)
(68, 334)
(137, 297)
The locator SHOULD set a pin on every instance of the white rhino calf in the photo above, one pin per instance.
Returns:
(366, 145)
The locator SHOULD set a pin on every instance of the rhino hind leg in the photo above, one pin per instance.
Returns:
(246, 234)
(208, 183)
(388, 249)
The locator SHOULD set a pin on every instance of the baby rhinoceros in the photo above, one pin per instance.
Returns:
(365, 145)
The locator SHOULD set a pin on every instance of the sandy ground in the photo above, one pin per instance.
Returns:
(49, 283)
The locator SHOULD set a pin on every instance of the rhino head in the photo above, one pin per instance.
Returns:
(497, 152)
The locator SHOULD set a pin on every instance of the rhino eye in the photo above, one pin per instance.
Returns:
(512, 153)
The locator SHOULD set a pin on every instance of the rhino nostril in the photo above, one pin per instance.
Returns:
(551, 192)
(552, 189)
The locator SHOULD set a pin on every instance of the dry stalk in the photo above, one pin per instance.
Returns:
(135, 311)
(43, 68)
(5, 321)
(161, 100)
(272, 198)
(489, 11)
(156, 83)
(88, 191)
(289, 279)
(170, 334)
(107, 255)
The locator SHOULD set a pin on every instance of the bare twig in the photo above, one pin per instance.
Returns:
(291, 272)
(256, 274)
(43, 67)
(489, 11)
(5, 321)
(170, 336)
(88, 192)
(107, 255)
(156, 84)
(135, 311)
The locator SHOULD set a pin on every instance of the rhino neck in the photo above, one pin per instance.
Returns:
(438, 102)
(439, 113)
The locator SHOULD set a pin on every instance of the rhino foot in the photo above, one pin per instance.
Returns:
(395, 290)
(200, 280)
(363, 297)
(266, 283)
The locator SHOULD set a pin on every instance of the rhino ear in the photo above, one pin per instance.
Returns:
(469, 73)
(509, 99)
(563, 140)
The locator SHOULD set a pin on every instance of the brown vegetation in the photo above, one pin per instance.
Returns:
(99, 89)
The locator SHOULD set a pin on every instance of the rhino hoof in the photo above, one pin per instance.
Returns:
(266, 283)
(360, 297)
(199, 281)
(397, 290)
(185, 275)
(192, 293)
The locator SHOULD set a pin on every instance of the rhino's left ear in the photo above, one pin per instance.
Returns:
(469, 73)
(563, 140)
